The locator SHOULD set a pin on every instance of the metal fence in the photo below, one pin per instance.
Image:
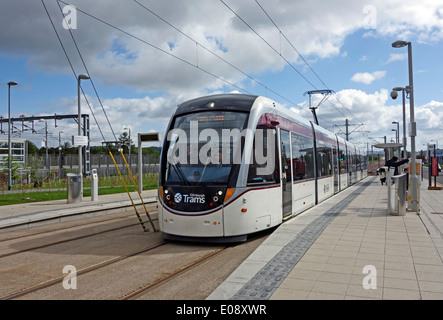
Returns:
(37, 167)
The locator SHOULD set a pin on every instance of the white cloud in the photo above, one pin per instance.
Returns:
(368, 78)
(118, 58)
(397, 57)
(375, 112)
(114, 58)
(431, 115)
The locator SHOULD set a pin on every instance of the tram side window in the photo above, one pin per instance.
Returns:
(302, 157)
(264, 168)
(354, 162)
(342, 161)
(324, 160)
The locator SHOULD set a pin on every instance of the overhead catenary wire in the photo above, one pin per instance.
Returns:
(293, 47)
(270, 46)
(126, 188)
(70, 63)
(306, 62)
(90, 79)
(275, 50)
(233, 66)
(159, 49)
(199, 44)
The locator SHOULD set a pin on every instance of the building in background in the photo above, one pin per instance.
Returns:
(19, 152)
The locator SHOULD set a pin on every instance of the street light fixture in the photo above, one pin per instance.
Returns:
(413, 126)
(400, 44)
(10, 83)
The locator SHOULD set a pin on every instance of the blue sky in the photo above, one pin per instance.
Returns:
(142, 74)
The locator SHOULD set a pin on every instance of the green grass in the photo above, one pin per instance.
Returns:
(28, 197)
(107, 185)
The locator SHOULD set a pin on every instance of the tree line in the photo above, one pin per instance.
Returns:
(67, 148)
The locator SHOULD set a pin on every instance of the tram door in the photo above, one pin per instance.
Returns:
(336, 169)
(286, 175)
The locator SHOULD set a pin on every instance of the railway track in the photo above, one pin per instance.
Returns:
(149, 287)
(65, 240)
(35, 265)
(181, 269)
(58, 280)
(215, 258)
(30, 219)
(56, 229)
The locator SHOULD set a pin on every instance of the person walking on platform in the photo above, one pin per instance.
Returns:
(395, 164)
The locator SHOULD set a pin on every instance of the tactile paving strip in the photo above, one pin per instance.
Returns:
(268, 279)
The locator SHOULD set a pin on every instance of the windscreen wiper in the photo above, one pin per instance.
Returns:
(179, 173)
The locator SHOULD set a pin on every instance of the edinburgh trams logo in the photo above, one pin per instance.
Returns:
(178, 197)
(189, 198)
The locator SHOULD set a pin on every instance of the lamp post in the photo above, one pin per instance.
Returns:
(396, 133)
(397, 136)
(394, 96)
(60, 162)
(80, 160)
(80, 77)
(413, 126)
(10, 83)
(46, 143)
(436, 143)
(129, 146)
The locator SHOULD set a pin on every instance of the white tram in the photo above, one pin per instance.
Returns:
(235, 164)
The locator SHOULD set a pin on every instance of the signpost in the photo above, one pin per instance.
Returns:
(144, 137)
(79, 140)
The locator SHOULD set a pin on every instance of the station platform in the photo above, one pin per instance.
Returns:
(348, 248)
(20, 216)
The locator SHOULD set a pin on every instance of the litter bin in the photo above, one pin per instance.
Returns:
(75, 193)
(397, 195)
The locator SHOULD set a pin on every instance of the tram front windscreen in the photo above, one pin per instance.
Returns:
(202, 148)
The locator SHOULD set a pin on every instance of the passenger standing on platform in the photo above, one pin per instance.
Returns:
(395, 163)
